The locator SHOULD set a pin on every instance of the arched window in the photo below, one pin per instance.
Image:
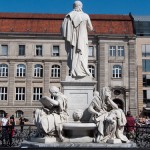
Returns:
(19, 113)
(55, 71)
(3, 70)
(21, 69)
(117, 71)
(92, 70)
(38, 70)
(2, 113)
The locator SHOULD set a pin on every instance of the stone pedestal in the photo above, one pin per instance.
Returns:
(80, 94)
(77, 145)
(114, 141)
(44, 140)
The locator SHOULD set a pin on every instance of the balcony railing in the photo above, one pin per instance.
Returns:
(10, 137)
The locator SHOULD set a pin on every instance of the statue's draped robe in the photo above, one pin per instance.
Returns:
(74, 30)
(107, 129)
(115, 129)
(99, 106)
(58, 115)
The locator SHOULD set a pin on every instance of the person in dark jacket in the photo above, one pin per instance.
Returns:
(22, 121)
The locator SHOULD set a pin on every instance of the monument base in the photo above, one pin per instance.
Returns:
(114, 141)
(72, 145)
(80, 94)
(44, 140)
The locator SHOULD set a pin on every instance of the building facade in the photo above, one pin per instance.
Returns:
(142, 28)
(33, 58)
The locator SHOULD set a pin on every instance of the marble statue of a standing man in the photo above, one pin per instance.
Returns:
(75, 31)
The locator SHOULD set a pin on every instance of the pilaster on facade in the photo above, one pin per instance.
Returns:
(101, 65)
(29, 83)
(132, 77)
(140, 89)
(127, 99)
(46, 83)
(11, 84)
(64, 70)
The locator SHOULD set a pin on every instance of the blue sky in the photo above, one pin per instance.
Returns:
(136, 7)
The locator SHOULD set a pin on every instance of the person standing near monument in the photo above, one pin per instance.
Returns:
(5, 124)
(130, 125)
(21, 122)
(75, 31)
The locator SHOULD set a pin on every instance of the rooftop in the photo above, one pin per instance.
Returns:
(51, 23)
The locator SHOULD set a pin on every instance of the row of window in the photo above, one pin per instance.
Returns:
(20, 93)
(113, 50)
(146, 68)
(38, 50)
(22, 50)
(55, 70)
(116, 51)
(38, 70)
(19, 113)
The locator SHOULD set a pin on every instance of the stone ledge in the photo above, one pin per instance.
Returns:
(79, 126)
(71, 145)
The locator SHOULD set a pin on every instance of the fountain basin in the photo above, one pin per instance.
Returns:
(78, 129)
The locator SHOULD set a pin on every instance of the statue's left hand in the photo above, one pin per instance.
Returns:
(46, 110)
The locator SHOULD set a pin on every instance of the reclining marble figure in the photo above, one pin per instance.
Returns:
(49, 119)
(110, 119)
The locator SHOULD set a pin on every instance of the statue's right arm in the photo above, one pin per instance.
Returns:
(89, 24)
(114, 105)
(52, 101)
(91, 109)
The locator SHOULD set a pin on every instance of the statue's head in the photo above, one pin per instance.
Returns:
(105, 92)
(54, 90)
(77, 6)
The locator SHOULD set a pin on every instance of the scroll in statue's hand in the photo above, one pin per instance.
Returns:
(46, 102)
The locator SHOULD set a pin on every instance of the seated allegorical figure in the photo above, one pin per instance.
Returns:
(115, 121)
(49, 119)
(114, 125)
(98, 110)
(110, 119)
